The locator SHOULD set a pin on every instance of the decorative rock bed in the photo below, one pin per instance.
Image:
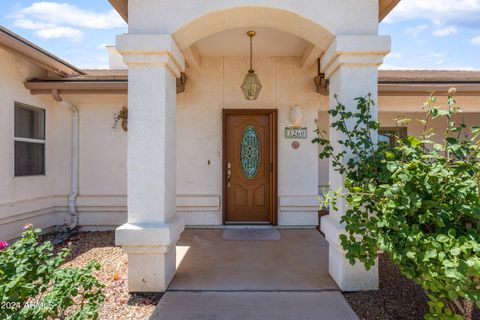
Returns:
(398, 297)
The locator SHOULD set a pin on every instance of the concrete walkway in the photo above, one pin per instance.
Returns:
(284, 279)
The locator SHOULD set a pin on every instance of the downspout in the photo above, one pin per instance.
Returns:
(72, 197)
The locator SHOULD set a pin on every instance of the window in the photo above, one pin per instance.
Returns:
(391, 135)
(29, 140)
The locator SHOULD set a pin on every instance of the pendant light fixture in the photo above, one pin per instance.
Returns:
(251, 85)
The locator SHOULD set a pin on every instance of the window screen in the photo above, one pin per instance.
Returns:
(29, 140)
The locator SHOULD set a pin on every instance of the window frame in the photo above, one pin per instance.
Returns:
(398, 133)
(29, 140)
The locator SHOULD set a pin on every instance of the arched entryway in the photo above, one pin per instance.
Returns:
(343, 34)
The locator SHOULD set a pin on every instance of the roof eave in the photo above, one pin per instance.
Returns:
(36, 54)
(121, 87)
(385, 7)
(77, 87)
(424, 89)
(122, 8)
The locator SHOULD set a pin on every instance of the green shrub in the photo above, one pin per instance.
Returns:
(418, 201)
(33, 286)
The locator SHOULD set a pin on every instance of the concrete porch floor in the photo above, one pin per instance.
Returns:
(298, 261)
(284, 279)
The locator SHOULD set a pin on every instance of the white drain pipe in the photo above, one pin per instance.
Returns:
(72, 197)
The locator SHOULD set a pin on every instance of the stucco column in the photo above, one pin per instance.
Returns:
(351, 64)
(153, 228)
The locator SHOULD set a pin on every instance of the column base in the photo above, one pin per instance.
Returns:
(151, 251)
(347, 277)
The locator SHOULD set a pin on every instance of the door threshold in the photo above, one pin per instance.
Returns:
(245, 225)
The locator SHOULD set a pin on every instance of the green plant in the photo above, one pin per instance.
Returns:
(34, 286)
(417, 201)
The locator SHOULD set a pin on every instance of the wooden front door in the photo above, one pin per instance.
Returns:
(250, 166)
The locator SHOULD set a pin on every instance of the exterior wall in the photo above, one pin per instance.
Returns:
(392, 107)
(411, 108)
(199, 114)
(40, 200)
(103, 184)
(102, 200)
(115, 59)
(102, 197)
(358, 16)
(415, 103)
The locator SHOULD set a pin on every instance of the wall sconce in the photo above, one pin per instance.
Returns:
(321, 84)
(296, 117)
(123, 115)
(181, 83)
(296, 130)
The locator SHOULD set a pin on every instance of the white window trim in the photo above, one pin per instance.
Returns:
(29, 140)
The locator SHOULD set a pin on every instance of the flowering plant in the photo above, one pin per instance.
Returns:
(34, 286)
(3, 245)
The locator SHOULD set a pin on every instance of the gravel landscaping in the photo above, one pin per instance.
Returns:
(100, 246)
(398, 297)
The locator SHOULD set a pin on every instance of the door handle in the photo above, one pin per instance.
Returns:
(229, 174)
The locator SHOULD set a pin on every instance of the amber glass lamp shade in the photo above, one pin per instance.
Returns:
(251, 85)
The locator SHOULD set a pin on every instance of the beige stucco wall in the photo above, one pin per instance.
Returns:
(103, 183)
(31, 199)
(408, 107)
(314, 20)
(412, 108)
(102, 180)
(199, 111)
(43, 200)
(102, 199)
(103, 160)
(415, 103)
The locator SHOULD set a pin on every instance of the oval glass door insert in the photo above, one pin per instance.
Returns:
(250, 152)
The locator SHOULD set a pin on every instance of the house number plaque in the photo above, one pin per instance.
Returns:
(296, 133)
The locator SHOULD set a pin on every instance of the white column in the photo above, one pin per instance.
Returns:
(153, 228)
(351, 64)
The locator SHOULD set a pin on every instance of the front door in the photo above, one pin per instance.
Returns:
(250, 139)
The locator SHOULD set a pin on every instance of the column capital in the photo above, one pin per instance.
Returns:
(151, 49)
(354, 51)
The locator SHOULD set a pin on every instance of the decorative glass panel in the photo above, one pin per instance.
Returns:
(250, 152)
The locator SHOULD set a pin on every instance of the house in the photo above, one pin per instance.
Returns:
(211, 154)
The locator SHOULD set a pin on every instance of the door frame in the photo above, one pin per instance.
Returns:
(273, 115)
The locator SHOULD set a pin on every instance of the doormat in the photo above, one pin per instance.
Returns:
(251, 235)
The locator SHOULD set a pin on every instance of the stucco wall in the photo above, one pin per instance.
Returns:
(41, 199)
(168, 16)
(102, 181)
(102, 199)
(199, 111)
(103, 160)
(414, 127)
(103, 184)
(415, 103)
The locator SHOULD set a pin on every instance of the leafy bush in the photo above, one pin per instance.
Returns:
(33, 286)
(418, 201)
